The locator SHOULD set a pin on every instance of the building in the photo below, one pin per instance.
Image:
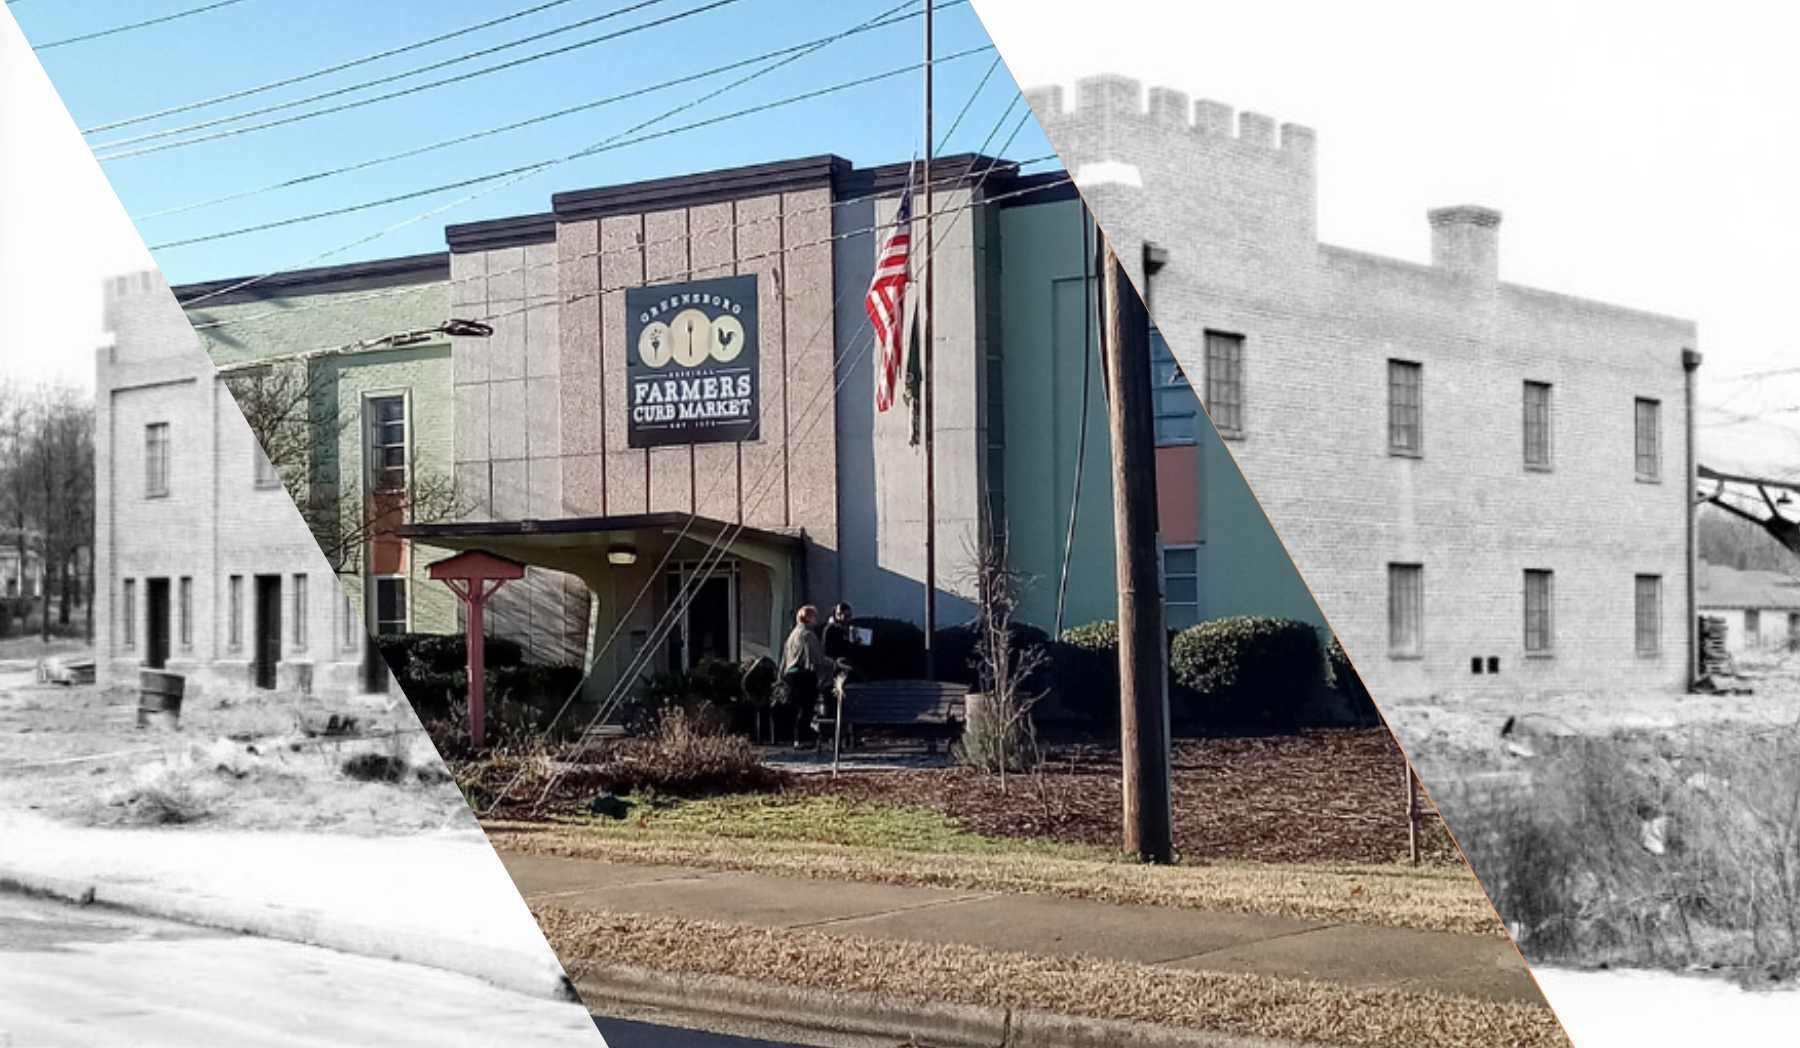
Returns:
(672, 423)
(1761, 609)
(1485, 485)
(203, 567)
(346, 366)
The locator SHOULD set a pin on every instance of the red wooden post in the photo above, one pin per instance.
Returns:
(468, 574)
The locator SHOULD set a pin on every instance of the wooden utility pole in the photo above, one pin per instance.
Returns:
(1143, 642)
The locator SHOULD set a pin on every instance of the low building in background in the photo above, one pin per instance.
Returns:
(1761, 609)
(203, 566)
(1485, 485)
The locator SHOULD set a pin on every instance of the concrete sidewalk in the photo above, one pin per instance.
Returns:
(438, 900)
(1473, 966)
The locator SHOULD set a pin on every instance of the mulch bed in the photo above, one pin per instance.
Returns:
(1328, 796)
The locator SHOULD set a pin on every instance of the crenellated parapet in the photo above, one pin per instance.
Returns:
(1121, 102)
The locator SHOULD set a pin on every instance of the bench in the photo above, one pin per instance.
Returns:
(930, 708)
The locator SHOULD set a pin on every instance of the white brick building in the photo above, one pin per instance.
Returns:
(203, 566)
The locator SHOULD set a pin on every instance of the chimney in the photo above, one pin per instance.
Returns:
(1466, 241)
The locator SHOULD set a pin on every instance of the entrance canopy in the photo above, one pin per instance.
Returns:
(677, 587)
(574, 544)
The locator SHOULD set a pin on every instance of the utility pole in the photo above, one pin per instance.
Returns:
(1143, 642)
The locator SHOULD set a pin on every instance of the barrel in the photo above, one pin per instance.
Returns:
(159, 699)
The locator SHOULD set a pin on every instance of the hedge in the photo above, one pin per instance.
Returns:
(1252, 671)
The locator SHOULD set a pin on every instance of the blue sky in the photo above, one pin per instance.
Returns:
(248, 43)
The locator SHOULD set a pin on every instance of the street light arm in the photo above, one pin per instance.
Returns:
(454, 327)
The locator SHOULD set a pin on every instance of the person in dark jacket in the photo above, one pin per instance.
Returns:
(840, 637)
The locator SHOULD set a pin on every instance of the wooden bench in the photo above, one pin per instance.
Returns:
(930, 708)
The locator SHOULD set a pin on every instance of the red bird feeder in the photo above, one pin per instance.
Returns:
(475, 576)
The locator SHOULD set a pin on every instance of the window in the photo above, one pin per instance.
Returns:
(1406, 609)
(1537, 425)
(234, 637)
(1406, 409)
(128, 611)
(1181, 586)
(1538, 622)
(1649, 615)
(1225, 382)
(390, 605)
(1752, 628)
(156, 460)
(387, 443)
(299, 612)
(266, 477)
(185, 600)
(1176, 406)
(1649, 439)
(354, 630)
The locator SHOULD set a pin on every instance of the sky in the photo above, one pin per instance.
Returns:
(62, 231)
(250, 43)
(1644, 154)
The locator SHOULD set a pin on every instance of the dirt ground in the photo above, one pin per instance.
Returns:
(236, 762)
(1329, 796)
(1459, 734)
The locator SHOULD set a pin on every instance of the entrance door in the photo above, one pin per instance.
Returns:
(374, 669)
(708, 629)
(156, 647)
(268, 630)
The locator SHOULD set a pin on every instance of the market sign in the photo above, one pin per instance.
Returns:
(691, 369)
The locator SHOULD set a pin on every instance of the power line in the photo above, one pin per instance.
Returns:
(115, 30)
(119, 154)
(547, 165)
(315, 74)
(949, 181)
(515, 126)
(608, 147)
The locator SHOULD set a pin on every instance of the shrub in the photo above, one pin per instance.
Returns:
(1247, 672)
(896, 650)
(681, 759)
(995, 741)
(1348, 684)
(1085, 665)
(958, 658)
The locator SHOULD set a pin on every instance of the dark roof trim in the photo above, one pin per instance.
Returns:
(590, 525)
(712, 187)
(326, 280)
(947, 173)
(1048, 187)
(494, 234)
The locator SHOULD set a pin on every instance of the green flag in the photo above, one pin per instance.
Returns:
(914, 376)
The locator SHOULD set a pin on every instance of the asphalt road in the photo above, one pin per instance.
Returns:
(73, 977)
(621, 1033)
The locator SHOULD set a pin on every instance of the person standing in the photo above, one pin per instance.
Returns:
(804, 665)
(840, 637)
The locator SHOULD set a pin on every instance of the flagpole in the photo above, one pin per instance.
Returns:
(928, 404)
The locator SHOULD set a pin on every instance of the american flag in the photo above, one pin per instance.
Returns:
(886, 302)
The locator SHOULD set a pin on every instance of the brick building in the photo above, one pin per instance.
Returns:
(821, 500)
(203, 566)
(1484, 485)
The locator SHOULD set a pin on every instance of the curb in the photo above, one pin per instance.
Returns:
(851, 1019)
(508, 969)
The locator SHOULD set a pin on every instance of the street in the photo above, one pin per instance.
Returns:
(622, 1033)
(74, 977)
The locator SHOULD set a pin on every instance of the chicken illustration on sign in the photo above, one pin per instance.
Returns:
(692, 364)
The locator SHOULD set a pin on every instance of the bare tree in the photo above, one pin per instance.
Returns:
(294, 411)
(1001, 736)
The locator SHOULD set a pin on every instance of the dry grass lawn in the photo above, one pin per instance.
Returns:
(1244, 1005)
(1429, 898)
